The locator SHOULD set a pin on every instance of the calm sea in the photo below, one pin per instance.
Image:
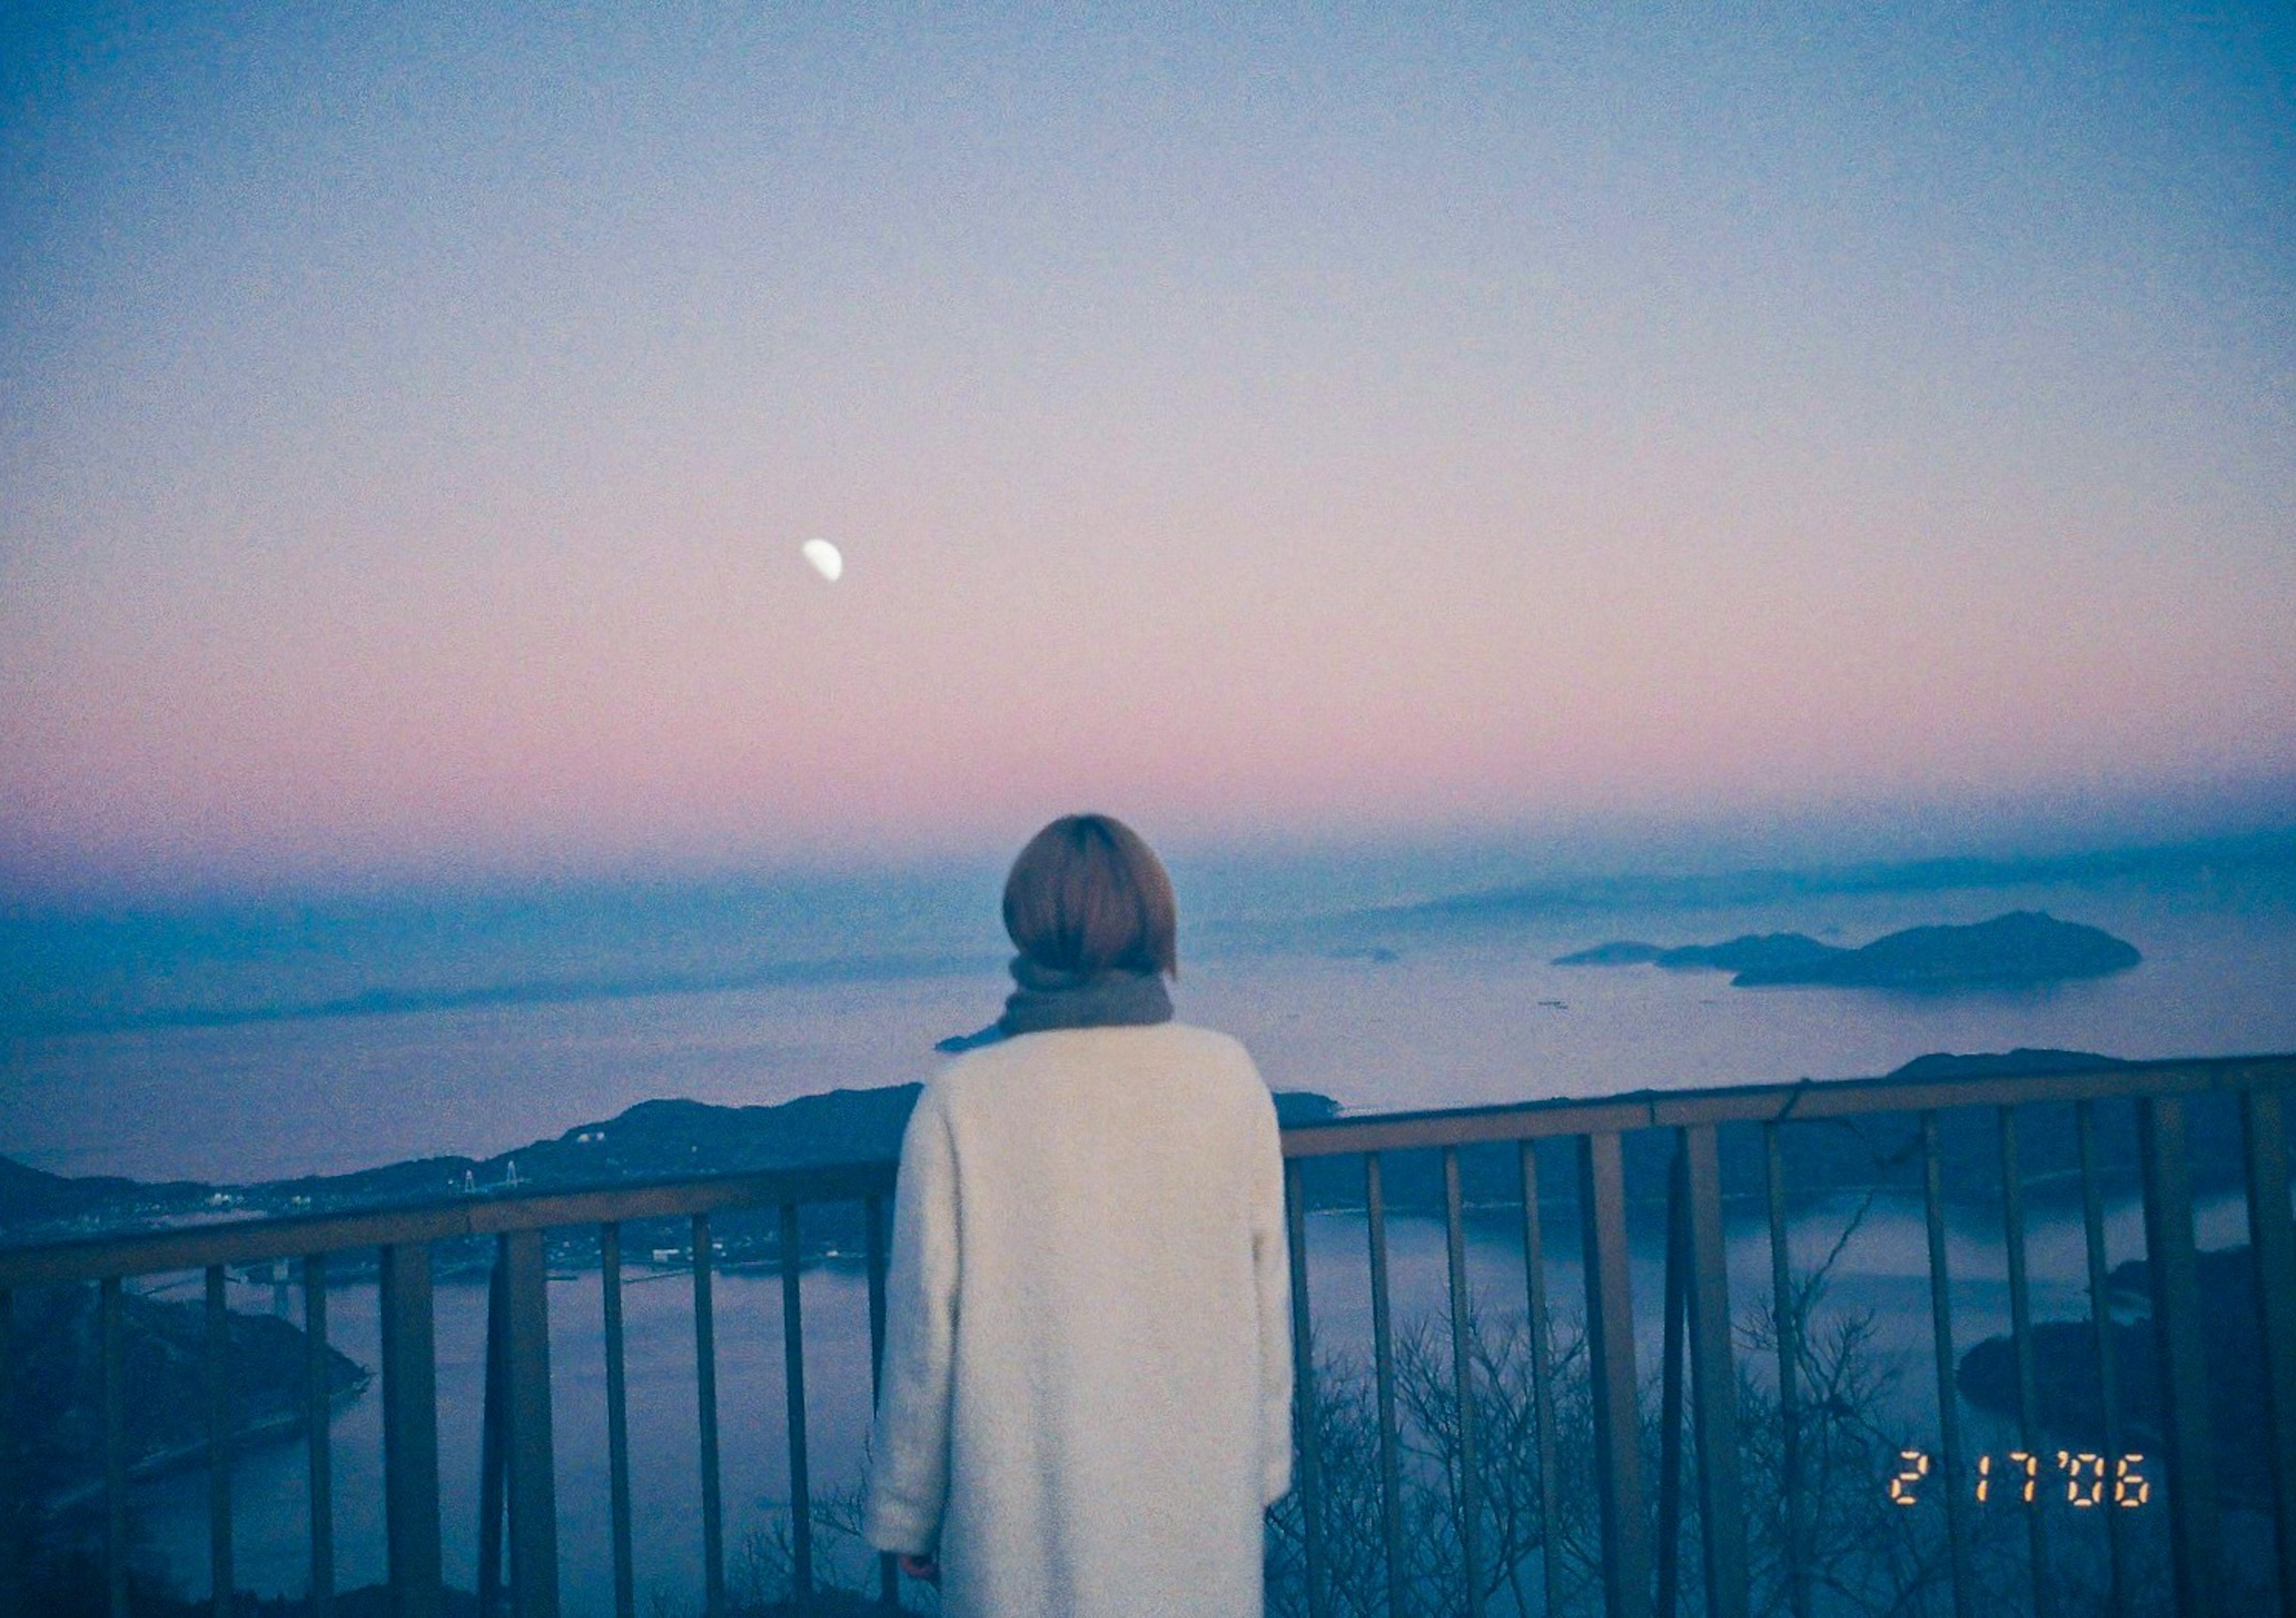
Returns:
(239, 1045)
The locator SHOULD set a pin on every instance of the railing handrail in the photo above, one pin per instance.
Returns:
(1778, 1103)
(491, 1213)
(498, 1213)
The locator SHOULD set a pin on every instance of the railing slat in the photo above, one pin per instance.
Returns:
(2020, 1333)
(1303, 1394)
(1785, 1307)
(705, 1393)
(1949, 1396)
(1542, 1378)
(1611, 1358)
(533, 1478)
(2100, 1307)
(318, 1408)
(1383, 1350)
(111, 1334)
(618, 1421)
(494, 1438)
(2174, 1271)
(1669, 1399)
(1463, 1380)
(794, 1393)
(222, 1594)
(888, 1583)
(2272, 1241)
(1714, 1382)
(410, 1432)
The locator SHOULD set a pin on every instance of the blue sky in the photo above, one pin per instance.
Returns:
(1257, 422)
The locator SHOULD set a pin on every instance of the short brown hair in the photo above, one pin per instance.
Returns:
(1088, 896)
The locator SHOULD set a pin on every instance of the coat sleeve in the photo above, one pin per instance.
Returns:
(908, 1470)
(1271, 1265)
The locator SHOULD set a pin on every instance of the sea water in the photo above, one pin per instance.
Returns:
(230, 1059)
(237, 1057)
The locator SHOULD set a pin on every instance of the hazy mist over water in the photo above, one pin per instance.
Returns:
(259, 1040)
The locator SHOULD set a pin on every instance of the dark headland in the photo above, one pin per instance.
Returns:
(655, 1140)
(2022, 948)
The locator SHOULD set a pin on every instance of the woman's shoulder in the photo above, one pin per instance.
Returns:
(1210, 1044)
(1157, 1045)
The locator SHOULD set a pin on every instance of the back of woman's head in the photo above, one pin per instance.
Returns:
(1087, 896)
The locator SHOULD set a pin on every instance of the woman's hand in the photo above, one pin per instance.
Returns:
(922, 1567)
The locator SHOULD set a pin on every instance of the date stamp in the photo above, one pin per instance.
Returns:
(2018, 1478)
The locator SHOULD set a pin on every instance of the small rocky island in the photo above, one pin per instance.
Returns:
(2069, 1406)
(2022, 948)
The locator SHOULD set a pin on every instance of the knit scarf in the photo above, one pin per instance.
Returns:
(1047, 998)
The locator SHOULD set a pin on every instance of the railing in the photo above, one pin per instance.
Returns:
(1346, 1164)
(1697, 1286)
(518, 1481)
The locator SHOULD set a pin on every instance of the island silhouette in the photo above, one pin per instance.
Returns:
(2020, 949)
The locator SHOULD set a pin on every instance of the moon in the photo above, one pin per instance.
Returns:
(825, 557)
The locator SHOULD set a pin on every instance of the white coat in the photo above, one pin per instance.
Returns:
(1086, 1393)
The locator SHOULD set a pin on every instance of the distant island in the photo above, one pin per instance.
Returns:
(652, 1140)
(2020, 948)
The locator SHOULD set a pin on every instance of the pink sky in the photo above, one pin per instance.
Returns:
(409, 437)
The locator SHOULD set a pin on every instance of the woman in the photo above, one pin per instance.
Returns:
(1087, 1375)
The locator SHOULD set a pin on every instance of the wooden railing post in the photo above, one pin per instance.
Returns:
(533, 1484)
(2020, 1333)
(1542, 1378)
(494, 1440)
(222, 1595)
(318, 1413)
(410, 1432)
(1714, 1381)
(1303, 1395)
(2175, 1269)
(1957, 1528)
(2272, 1239)
(1610, 1359)
(794, 1399)
(705, 1394)
(1673, 1310)
(618, 1421)
(1463, 1383)
(112, 1345)
(1382, 1360)
(1785, 1313)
